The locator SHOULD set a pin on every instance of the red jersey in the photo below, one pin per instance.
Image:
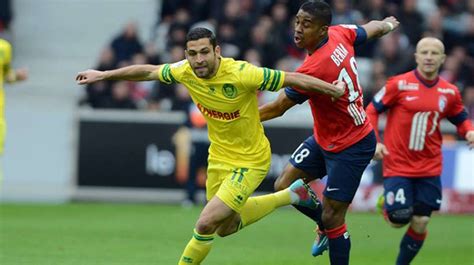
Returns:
(339, 124)
(412, 134)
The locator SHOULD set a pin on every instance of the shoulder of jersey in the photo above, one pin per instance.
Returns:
(445, 83)
(233, 66)
(179, 64)
(348, 26)
(4, 43)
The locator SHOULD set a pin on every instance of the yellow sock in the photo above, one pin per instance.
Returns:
(197, 249)
(257, 207)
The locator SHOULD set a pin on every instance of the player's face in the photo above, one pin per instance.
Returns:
(202, 57)
(308, 32)
(429, 56)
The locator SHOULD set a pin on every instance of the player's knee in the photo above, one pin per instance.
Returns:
(419, 223)
(205, 226)
(229, 227)
(223, 232)
(333, 216)
(226, 231)
(400, 217)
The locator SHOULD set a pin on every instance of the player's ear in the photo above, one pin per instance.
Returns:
(186, 53)
(323, 30)
(443, 58)
(217, 50)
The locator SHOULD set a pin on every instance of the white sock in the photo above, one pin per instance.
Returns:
(294, 197)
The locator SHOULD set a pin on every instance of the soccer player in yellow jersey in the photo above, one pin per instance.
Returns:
(8, 75)
(239, 155)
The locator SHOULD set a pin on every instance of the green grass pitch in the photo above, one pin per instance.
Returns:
(84, 233)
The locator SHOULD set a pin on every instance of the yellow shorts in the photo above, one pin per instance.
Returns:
(233, 185)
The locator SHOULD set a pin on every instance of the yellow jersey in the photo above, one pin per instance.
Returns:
(5, 59)
(229, 103)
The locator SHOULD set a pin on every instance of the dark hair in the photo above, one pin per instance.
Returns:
(200, 33)
(320, 10)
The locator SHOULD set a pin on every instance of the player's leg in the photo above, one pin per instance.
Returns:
(336, 234)
(307, 163)
(228, 189)
(214, 214)
(427, 199)
(255, 208)
(398, 201)
(289, 175)
(345, 170)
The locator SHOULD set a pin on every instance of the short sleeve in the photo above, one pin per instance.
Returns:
(354, 33)
(349, 31)
(361, 36)
(457, 113)
(171, 73)
(295, 96)
(261, 78)
(386, 97)
(457, 106)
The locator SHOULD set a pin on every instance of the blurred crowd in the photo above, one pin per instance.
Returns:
(261, 32)
(6, 17)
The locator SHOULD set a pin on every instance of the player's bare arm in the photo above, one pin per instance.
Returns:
(276, 108)
(144, 72)
(309, 83)
(378, 28)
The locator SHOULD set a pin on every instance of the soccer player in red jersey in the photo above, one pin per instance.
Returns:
(344, 142)
(411, 148)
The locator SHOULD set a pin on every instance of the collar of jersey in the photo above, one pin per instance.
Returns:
(321, 44)
(221, 61)
(218, 70)
(427, 83)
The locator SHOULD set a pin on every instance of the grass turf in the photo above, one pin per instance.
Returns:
(81, 233)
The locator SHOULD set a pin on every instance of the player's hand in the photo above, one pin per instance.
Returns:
(470, 139)
(21, 74)
(380, 151)
(393, 21)
(340, 89)
(89, 76)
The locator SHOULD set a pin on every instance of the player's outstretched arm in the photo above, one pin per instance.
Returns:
(378, 28)
(276, 108)
(139, 72)
(313, 84)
